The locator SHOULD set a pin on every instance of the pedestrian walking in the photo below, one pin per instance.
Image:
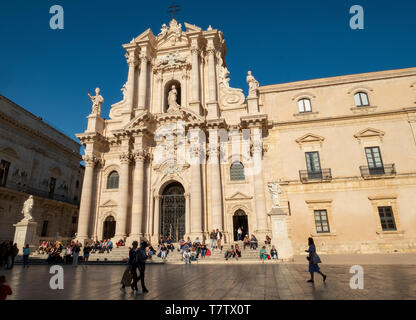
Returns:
(314, 260)
(86, 253)
(141, 261)
(26, 253)
(5, 290)
(75, 255)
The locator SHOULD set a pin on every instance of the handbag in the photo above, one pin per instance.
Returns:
(316, 259)
(208, 253)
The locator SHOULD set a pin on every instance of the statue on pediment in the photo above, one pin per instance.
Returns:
(97, 101)
(164, 30)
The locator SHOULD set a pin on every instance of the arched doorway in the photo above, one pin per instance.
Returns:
(109, 228)
(172, 222)
(240, 220)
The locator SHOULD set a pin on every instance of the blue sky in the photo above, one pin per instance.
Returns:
(49, 72)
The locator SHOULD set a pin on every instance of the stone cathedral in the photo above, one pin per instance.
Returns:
(330, 168)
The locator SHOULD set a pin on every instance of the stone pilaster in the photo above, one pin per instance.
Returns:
(260, 198)
(212, 104)
(132, 62)
(156, 221)
(122, 216)
(86, 199)
(195, 75)
(143, 80)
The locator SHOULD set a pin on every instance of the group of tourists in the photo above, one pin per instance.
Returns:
(102, 246)
(8, 253)
(48, 246)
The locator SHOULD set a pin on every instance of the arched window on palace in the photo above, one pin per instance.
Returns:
(237, 172)
(361, 99)
(112, 180)
(304, 105)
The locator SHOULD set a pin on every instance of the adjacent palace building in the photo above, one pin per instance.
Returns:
(337, 155)
(39, 161)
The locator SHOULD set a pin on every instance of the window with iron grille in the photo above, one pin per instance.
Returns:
(304, 105)
(361, 99)
(321, 221)
(113, 180)
(237, 172)
(387, 218)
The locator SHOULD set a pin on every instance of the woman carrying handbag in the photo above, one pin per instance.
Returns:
(314, 260)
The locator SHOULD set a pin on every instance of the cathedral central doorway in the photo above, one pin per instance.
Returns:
(173, 212)
(240, 220)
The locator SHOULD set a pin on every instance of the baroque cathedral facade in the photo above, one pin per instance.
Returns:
(331, 158)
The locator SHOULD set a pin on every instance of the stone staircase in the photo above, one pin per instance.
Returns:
(120, 256)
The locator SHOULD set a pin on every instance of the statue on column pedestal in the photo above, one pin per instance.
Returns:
(253, 85)
(97, 101)
(275, 191)
(27, 209)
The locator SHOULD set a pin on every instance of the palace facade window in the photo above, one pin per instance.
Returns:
(387, 218)
(313, 164)
(113, 180)
(361, 99)
(374, 160)
(304, 105)
(321, 221)
(237, 172)
(4, 172)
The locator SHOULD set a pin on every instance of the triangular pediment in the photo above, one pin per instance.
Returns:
(172, 43)
(310, 137)
(239, 196)
(141, 120)
(109, 203)
(192, 28)
(9, 152)
(145, 36)
(369, 133)
(184, 114)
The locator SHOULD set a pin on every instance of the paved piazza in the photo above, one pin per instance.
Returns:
(216, 282)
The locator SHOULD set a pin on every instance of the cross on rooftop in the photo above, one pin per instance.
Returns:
(174, 8)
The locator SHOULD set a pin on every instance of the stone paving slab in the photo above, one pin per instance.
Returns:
(217, 282)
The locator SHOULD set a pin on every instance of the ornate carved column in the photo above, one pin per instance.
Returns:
(216, 185)
(260, 198)
(86, 198)
(196, 192)
(121, 223)
(143, 80)
(195, 75)
(132, 62)
(138, 200)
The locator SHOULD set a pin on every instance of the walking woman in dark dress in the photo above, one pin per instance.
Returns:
(314, 260)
